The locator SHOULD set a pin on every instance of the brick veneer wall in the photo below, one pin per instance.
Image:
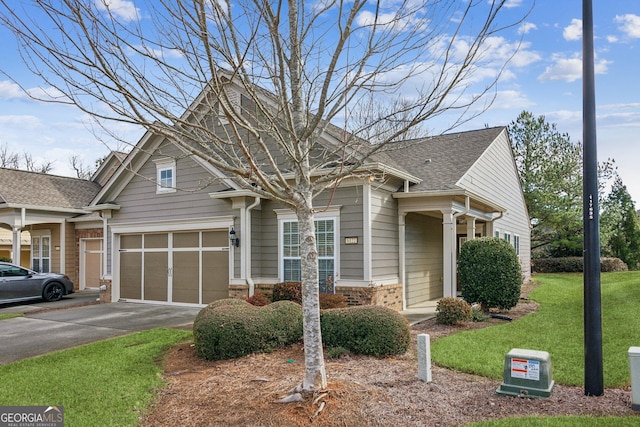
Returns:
(105, 294)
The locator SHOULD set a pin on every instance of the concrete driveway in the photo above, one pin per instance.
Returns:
(41, 332)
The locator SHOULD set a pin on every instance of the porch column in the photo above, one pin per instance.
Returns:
(471, 228)
(16, 245)
(401, 260)
(448, 248)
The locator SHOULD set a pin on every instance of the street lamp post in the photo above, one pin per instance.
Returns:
(593, 378)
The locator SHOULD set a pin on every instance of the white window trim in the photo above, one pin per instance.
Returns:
(516, 243)
(287, 215)
(161, 166)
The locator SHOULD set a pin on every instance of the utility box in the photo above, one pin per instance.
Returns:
(634, 365)
(527, 373)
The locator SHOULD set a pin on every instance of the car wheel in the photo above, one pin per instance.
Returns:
(53, 292)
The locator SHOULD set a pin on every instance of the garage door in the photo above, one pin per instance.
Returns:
(181, 267)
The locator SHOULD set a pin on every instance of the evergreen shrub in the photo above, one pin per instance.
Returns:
(489, 273)
(369, 330)
(231, 328)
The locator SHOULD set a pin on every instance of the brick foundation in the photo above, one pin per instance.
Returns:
(105, 294)
(239, 291)
(387, 296)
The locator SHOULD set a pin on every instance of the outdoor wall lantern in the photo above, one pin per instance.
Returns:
(235, 241)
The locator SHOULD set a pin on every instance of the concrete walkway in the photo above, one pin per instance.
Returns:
(420, 313)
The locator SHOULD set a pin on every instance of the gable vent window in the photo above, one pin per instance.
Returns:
(165, 176)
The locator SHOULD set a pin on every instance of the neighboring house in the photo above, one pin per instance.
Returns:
(48, 212)
(391, 240)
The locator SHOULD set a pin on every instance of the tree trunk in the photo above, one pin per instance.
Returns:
(315, 374)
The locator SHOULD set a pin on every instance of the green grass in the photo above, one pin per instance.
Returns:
(108, 383)
(557, 327)
(10, 315)
(564, 421)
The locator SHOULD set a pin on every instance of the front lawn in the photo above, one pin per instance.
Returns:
(557, 327)
(105, 383)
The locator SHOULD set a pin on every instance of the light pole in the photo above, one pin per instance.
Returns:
(593, 378)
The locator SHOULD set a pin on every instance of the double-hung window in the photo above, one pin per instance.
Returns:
(165, 175)
(326, 242)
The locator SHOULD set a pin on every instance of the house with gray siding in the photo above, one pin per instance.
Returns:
(163, 226)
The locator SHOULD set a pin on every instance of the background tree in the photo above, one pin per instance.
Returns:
(550, 168)
(12, 160)
(305, 68)
(620, 230)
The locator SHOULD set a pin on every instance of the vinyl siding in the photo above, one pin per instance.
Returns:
(424, 258)
(494, 176)
(139, 201)
(384, 235)
(265, 246)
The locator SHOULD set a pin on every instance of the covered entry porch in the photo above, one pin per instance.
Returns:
(432, 226)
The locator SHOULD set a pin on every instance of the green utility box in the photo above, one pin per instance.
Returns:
(527, 373)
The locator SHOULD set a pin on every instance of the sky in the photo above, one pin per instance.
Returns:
(544, 77)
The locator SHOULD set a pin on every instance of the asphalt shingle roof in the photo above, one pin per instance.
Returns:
(19, 187)
(440, 161)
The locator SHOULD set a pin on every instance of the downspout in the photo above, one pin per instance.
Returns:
(247, 246)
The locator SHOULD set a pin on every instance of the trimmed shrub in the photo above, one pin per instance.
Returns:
(287, 291)
(231, 328)
(337, 352)
(4, 259)
(489, 272)
(451, 311)
(575, 265)
(258, 299)
(369, 330)
(328, 301)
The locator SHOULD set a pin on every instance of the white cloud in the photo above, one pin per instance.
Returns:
(123, 9)
(573, 31)
(20, 121)
(526, 27)
(612, 39)
(630, 24)
(10, 90)
(392, 21)
(570, 69)
(511, 99)
(512, 3)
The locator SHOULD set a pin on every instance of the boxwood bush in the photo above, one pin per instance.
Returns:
(231, 328)
(489, 273)
(369, 330)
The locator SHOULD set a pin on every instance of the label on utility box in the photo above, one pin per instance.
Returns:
(525, 369)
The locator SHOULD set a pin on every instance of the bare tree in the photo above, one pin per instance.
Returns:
(24, 161)
(303, 68)
(82, 171)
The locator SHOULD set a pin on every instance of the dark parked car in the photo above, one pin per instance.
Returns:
(21, 284)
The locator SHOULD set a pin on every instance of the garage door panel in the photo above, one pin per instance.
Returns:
(156, 265)
(215, 239)
(131, 275)
(215, 276)
(186, 277)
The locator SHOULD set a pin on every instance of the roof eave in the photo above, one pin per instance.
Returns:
(449, 193)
